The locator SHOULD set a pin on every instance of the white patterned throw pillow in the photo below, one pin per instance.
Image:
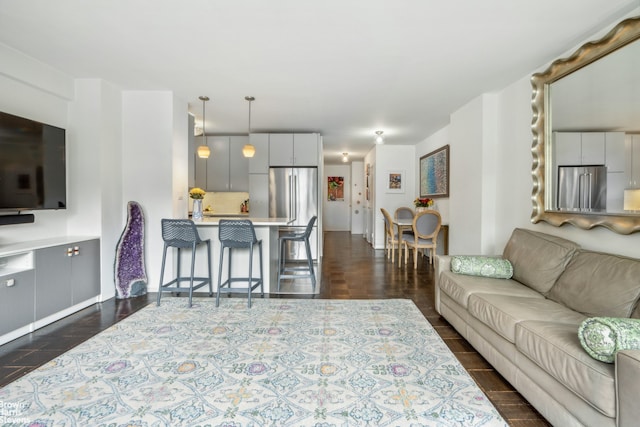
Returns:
(603, 337)
(497, 268)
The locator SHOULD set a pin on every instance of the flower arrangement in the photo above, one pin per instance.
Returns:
(196, 193)
(423, 202)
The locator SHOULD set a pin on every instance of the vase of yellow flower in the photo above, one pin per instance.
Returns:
(197, 194)
(423, 204)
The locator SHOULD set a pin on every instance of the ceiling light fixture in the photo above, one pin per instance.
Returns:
(203, 150)
(249, 150)
(345, 157)
(379, 137)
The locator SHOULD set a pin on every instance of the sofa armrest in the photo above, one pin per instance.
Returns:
(442, 263)
(627, 387)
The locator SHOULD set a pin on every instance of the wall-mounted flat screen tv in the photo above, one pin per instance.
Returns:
(32, 165)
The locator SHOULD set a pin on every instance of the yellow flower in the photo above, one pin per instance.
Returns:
(196, 193)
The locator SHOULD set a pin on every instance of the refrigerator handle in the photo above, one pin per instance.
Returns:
(581, 191)
(589, 205)
(294, 197)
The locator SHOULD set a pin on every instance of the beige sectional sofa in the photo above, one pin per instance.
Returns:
(527, 326)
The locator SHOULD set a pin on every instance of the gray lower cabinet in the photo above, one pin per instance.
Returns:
(66, 275)
(16, 300)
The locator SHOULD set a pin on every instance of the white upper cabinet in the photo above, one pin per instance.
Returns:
(259, 163)
(226, 169)
(305, 149)
(218, 164)
(238, 164)
(579, 148)
(281, 149)
(300, 149)
(615, 151)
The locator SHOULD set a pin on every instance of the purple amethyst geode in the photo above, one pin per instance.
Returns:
(130, 270)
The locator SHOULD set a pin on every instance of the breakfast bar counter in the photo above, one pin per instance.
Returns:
(266, 230)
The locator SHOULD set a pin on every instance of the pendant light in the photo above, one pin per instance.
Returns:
(249, 150)
(379, 137)
(203, 150)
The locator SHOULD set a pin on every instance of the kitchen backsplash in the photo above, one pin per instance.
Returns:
(222, 202)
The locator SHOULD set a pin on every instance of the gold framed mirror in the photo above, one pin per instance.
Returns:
(555, 118)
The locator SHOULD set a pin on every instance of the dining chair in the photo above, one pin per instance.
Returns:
(391, 241)
(426, 226)
(404, 212)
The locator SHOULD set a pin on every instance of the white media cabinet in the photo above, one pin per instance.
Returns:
(42, 281)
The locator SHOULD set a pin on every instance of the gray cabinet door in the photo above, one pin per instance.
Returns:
(85, 271)
(16, 301)
(238, 164)
(53, 280)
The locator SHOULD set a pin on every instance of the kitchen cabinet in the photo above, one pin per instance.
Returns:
(226, 169)
(300, 149)
(615, 157)
(259, 195)
(66, 275)
(632, 151)
(17, 289)
(259, 163)
(579, 148)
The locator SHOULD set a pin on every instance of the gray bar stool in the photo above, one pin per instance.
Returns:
(290, 272)
(238, 234)
(183, 234)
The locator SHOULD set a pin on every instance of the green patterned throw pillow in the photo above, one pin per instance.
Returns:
(603, 337)
(497, 268)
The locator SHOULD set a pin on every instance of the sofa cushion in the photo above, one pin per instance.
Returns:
(599, 284)
(459, 287)
(603, 337)
(538, 259)
(556, 349)
(496, 268)
(503, 312)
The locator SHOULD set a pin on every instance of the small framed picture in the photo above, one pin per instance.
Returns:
(395, 181)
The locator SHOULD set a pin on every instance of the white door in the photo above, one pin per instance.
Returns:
(336, 215)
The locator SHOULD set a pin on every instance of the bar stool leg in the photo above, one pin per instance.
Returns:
(209, 263)
(220, 276)
(164, 258)
(193, 264)
(280, 261)
(310, 264)
(250, 277)
(261, 272)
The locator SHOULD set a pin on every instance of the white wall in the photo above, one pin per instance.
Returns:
(153, 122)
(389, 158)
(36, 91)
(357, 197)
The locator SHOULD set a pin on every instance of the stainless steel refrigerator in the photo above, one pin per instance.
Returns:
(582, 188)
(293, 193)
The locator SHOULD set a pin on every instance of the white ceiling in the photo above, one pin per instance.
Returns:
(343, 68)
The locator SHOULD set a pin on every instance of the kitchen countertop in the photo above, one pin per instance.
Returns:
(269, 222)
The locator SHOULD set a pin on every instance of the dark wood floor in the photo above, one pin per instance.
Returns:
(351, 270)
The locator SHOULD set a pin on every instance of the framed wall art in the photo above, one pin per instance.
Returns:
(395, 181)
(434, 173)
(335, 188)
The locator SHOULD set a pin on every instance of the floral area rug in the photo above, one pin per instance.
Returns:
(283, 362)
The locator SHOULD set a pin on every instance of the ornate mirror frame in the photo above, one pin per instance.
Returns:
(622, 34)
